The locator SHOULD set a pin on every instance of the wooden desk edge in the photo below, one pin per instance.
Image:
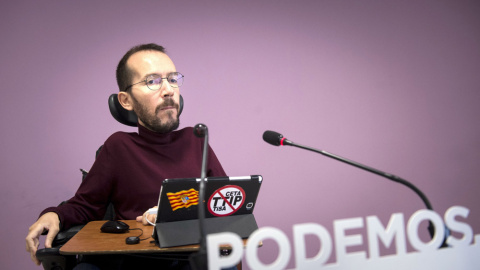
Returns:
(90, 241)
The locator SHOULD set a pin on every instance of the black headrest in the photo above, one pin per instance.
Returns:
(127, 117)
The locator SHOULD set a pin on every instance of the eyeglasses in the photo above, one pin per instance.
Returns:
(154, 81)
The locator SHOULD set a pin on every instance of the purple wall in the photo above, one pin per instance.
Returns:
(392, 84)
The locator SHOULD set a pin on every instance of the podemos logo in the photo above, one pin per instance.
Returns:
(226, 200)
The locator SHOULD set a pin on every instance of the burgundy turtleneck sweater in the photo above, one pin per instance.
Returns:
(129, 171)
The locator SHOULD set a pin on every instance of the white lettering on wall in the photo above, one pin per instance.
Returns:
(461, 254)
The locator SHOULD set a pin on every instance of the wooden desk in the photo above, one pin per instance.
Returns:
(90, 240)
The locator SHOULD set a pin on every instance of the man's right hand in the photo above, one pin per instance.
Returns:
(148, 217)
(48, 221)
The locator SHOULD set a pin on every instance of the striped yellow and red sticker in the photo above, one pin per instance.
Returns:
(183, 199)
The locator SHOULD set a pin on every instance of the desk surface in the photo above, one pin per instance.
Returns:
(90, 240)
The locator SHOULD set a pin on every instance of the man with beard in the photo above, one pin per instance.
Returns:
(130, 167)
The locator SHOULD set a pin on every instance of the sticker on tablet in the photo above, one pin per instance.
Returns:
(226, 200)
(183, 199)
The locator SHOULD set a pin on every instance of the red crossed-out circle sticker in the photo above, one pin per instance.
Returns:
(226, 200)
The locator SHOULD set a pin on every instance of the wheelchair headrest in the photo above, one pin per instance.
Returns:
(127, 117)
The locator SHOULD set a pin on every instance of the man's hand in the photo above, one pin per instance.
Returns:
(148, 217)
(48, 221)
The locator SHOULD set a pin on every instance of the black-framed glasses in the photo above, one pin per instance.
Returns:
(154, 81)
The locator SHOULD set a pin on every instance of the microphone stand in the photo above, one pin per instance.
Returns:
(199, 260)
(372, 170)
(431, 228)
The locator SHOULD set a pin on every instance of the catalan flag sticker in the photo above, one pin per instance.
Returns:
(183, 199)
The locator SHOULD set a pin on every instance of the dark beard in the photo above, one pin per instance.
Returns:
(152, 122)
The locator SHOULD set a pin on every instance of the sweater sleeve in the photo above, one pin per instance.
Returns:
(92, 197)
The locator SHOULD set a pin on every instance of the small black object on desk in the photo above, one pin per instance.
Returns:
(114, 226)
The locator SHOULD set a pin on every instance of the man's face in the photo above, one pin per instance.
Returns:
(156, 110)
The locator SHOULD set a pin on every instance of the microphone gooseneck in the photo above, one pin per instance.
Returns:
(199, 260)
(277, 139)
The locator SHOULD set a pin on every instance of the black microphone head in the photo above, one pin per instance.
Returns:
(200, 130)
(272, 137)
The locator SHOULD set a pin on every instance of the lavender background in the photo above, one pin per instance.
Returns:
(391, 84)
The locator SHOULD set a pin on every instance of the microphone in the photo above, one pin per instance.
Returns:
(199, 260)
(200, 130)
(277, 139)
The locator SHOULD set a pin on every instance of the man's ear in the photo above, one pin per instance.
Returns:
(125, 100)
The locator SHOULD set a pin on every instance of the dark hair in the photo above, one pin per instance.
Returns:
(124, 74)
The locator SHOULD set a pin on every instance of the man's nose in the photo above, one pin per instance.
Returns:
(166, 89)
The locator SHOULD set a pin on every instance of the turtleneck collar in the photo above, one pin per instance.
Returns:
(155, 137)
